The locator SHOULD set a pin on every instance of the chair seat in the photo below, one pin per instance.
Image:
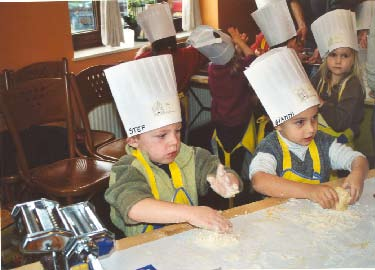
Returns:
(71, 177)
(99, 137)
(113, 150)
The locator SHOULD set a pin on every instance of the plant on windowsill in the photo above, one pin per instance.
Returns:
(134, 8)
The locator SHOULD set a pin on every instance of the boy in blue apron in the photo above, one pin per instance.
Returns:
(159, 180)
(294, 160)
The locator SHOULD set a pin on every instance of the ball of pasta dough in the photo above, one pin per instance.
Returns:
(344, 199)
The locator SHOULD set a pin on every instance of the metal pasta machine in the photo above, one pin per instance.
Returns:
(73, 235)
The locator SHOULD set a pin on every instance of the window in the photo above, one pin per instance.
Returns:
(85, 24)
(85, 19)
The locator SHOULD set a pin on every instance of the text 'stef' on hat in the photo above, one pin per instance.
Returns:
(262, 3)
(365, 12)
(275, 22)
(157, 22)
(145, 93)
(214, 44)
(335, 29)
(281, 84)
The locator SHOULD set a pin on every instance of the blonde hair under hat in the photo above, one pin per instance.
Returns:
(212, 43)
(157, 22)
(281, 84)
(335, 29)
(145, 93)
(275, 22)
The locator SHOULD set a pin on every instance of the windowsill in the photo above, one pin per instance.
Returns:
(105, 50)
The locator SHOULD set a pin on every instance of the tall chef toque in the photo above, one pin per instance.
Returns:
(145, 93)
(214, 44)
(281, 84)
(335, 29)
(157, 22)
(275, 22)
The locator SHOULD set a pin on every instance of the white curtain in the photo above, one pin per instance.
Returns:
(111, 27)
(191, 14)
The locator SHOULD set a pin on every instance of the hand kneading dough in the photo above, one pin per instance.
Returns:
(344, 199)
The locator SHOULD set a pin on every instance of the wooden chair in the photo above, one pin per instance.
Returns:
(56, 69)
(91, 90)
(41, 102)
(112, 151)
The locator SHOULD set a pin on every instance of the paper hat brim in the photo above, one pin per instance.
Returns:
(145, 93)
(219, 50)
(157, 22)
(275, 22)
(335, 29)
(281, 84)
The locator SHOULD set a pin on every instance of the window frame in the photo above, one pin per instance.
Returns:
(89, 39)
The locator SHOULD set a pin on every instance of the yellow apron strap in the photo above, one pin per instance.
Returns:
(263, 43)
(248, 142)
(151, 178)
(262, 122)
(287, 162)
(249, 139)
(324, 127)
(180, 197)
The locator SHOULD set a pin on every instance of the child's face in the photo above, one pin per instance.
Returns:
(301, 129)
(340, 61)
(162, 144)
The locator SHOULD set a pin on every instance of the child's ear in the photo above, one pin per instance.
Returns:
(279, 128)
(133, 141)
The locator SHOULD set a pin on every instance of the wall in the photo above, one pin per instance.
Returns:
(238, 13)
(39, 31)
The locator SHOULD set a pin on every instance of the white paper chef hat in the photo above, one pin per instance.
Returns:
(145, 93)
(335, 29)
(157, 22)
(281, 84)
(364, 13)
(275, 22)
(262, 3)
(212, 43)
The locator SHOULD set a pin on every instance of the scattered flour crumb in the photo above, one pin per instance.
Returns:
(214, 240)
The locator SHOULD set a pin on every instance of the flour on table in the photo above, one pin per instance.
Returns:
(214, 240)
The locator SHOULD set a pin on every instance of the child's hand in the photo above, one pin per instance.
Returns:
(210, 219)
(224, 184)
(355, 185)
(325, 195)
(236, 35)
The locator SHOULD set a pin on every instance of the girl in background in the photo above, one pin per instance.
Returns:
(338, 80)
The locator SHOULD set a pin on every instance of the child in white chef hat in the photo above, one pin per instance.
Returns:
(294, 160)
(159, 180)
(338, 81)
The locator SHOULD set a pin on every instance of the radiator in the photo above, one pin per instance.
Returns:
(106, 118)
(199, 107)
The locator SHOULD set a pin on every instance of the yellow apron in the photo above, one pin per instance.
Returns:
(262, 122)
(290, 174)
(248, 142)
(345, 136)
(180, 196)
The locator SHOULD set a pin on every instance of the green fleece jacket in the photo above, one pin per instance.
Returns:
(129, 184)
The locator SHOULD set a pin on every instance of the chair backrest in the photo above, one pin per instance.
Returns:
(92, 88)
(38, 70)
(33, 103)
